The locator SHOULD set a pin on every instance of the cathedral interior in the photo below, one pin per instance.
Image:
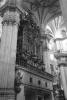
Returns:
(33, 50)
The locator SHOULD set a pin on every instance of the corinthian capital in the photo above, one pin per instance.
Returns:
(11, 17)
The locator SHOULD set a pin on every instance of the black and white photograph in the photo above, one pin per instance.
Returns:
(33, 49)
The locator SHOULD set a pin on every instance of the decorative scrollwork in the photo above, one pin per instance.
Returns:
(30, 46)
(11, 17)
(31, 33)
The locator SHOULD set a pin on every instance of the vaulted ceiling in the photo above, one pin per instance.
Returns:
(42, 10)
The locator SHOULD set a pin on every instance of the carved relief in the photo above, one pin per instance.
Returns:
(11, 17)
(29, 48)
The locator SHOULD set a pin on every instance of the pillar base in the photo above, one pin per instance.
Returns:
(7, 94)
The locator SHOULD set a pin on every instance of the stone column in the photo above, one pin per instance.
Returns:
(63, 78)
(21, 95)
(8, 53)
(62, 63)
(52, 96)
(63, 5)
(36, 97)
(46, 57)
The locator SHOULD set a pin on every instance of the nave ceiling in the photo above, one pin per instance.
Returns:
(42, 10)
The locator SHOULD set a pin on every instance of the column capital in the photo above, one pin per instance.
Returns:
(46, 36)
(11, 17)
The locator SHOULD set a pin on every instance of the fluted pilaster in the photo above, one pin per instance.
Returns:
(8, 52)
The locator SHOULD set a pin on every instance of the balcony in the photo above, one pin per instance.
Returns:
(61, 58)
(29, 60)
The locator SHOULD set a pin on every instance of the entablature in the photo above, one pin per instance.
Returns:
(35, 71)
(33, 78)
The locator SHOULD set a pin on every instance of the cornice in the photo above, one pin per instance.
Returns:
(35, 71)
(62, 63)
(60, 55)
